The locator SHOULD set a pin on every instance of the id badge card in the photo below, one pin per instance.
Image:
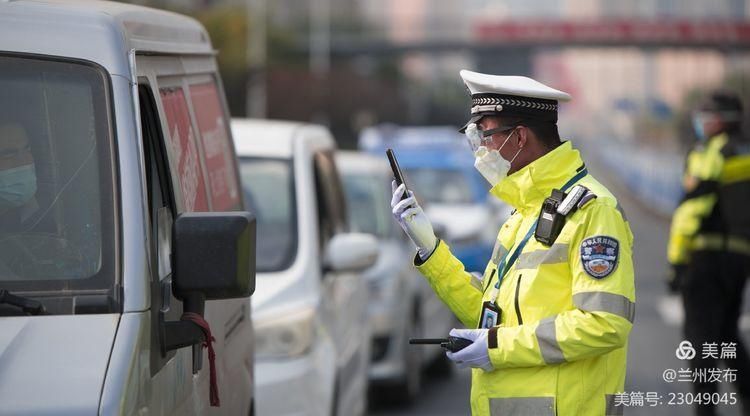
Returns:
(490, 315)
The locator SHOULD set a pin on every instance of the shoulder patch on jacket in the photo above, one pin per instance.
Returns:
(599, 255)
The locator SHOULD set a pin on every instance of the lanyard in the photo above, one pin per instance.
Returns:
(509, 259)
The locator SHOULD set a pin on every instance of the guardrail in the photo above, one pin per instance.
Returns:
(653, 176)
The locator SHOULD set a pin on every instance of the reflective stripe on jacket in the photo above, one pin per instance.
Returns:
(561, 344)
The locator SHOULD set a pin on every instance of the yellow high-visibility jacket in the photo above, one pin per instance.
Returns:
(567, 309)
(713, 214)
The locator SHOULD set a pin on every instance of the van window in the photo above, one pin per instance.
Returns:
(368, 204)
(184, 158)
(57, 221)
(268, 187)
(441, 186)
(217, 147)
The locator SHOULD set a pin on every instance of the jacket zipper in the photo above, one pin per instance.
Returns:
(518, 308)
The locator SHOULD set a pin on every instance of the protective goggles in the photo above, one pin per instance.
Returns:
(478, 137)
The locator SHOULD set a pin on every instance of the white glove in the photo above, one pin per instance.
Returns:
(413, 220)
(475, 355)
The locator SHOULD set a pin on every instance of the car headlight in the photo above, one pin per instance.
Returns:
(285, 337)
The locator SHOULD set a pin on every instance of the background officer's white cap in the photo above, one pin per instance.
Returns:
(512, 96)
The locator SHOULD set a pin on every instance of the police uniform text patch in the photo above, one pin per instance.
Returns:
(599, 255)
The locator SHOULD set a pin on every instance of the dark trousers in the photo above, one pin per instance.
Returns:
(712, 296)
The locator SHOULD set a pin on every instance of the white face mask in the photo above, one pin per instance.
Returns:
(491, 164)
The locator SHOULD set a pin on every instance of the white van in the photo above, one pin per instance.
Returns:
(120, 210)
(310, 308)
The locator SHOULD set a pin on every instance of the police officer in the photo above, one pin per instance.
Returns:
(551, 315)
(709, 244)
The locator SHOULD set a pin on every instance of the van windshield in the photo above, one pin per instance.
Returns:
(268, 189)
(440, 186)
(56, 181)
(367, 199)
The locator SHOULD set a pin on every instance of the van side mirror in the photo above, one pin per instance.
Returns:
(351, 251)
(213, 257)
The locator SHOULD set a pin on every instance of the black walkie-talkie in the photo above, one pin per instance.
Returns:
(452, 344)
(397, 174)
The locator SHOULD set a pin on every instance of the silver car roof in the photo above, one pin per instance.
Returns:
(97, 31)
(276, 138)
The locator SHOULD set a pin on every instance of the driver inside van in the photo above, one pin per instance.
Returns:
(17, 178)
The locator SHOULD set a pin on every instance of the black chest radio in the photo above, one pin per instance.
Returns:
(555, 209)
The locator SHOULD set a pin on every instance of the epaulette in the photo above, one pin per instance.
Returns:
(571, 200)
(586, 198)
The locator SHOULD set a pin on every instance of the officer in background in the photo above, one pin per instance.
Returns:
(551, 315)
(709, 244)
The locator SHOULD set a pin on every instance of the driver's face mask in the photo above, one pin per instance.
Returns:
(489, 162)
(17, 186)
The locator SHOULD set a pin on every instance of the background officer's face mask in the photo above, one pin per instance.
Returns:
(490, 163)
(701, 118)
(17, 186)
(700, 132)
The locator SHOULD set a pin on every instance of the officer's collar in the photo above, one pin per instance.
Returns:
(526, 189)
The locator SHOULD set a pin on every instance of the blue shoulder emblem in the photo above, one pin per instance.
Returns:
(599, 255)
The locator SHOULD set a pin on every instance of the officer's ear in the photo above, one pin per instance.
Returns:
(522, 136)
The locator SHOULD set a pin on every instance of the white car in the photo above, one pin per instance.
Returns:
(310, 305)
(402, 304)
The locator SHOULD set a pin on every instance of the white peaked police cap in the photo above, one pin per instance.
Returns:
(513, 96)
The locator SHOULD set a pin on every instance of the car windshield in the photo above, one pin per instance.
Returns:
(56, 181)
(439, 186)
(268, 188)
(367, 199)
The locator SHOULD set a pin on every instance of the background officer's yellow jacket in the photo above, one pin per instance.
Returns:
(561, 344)
(713, 214)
